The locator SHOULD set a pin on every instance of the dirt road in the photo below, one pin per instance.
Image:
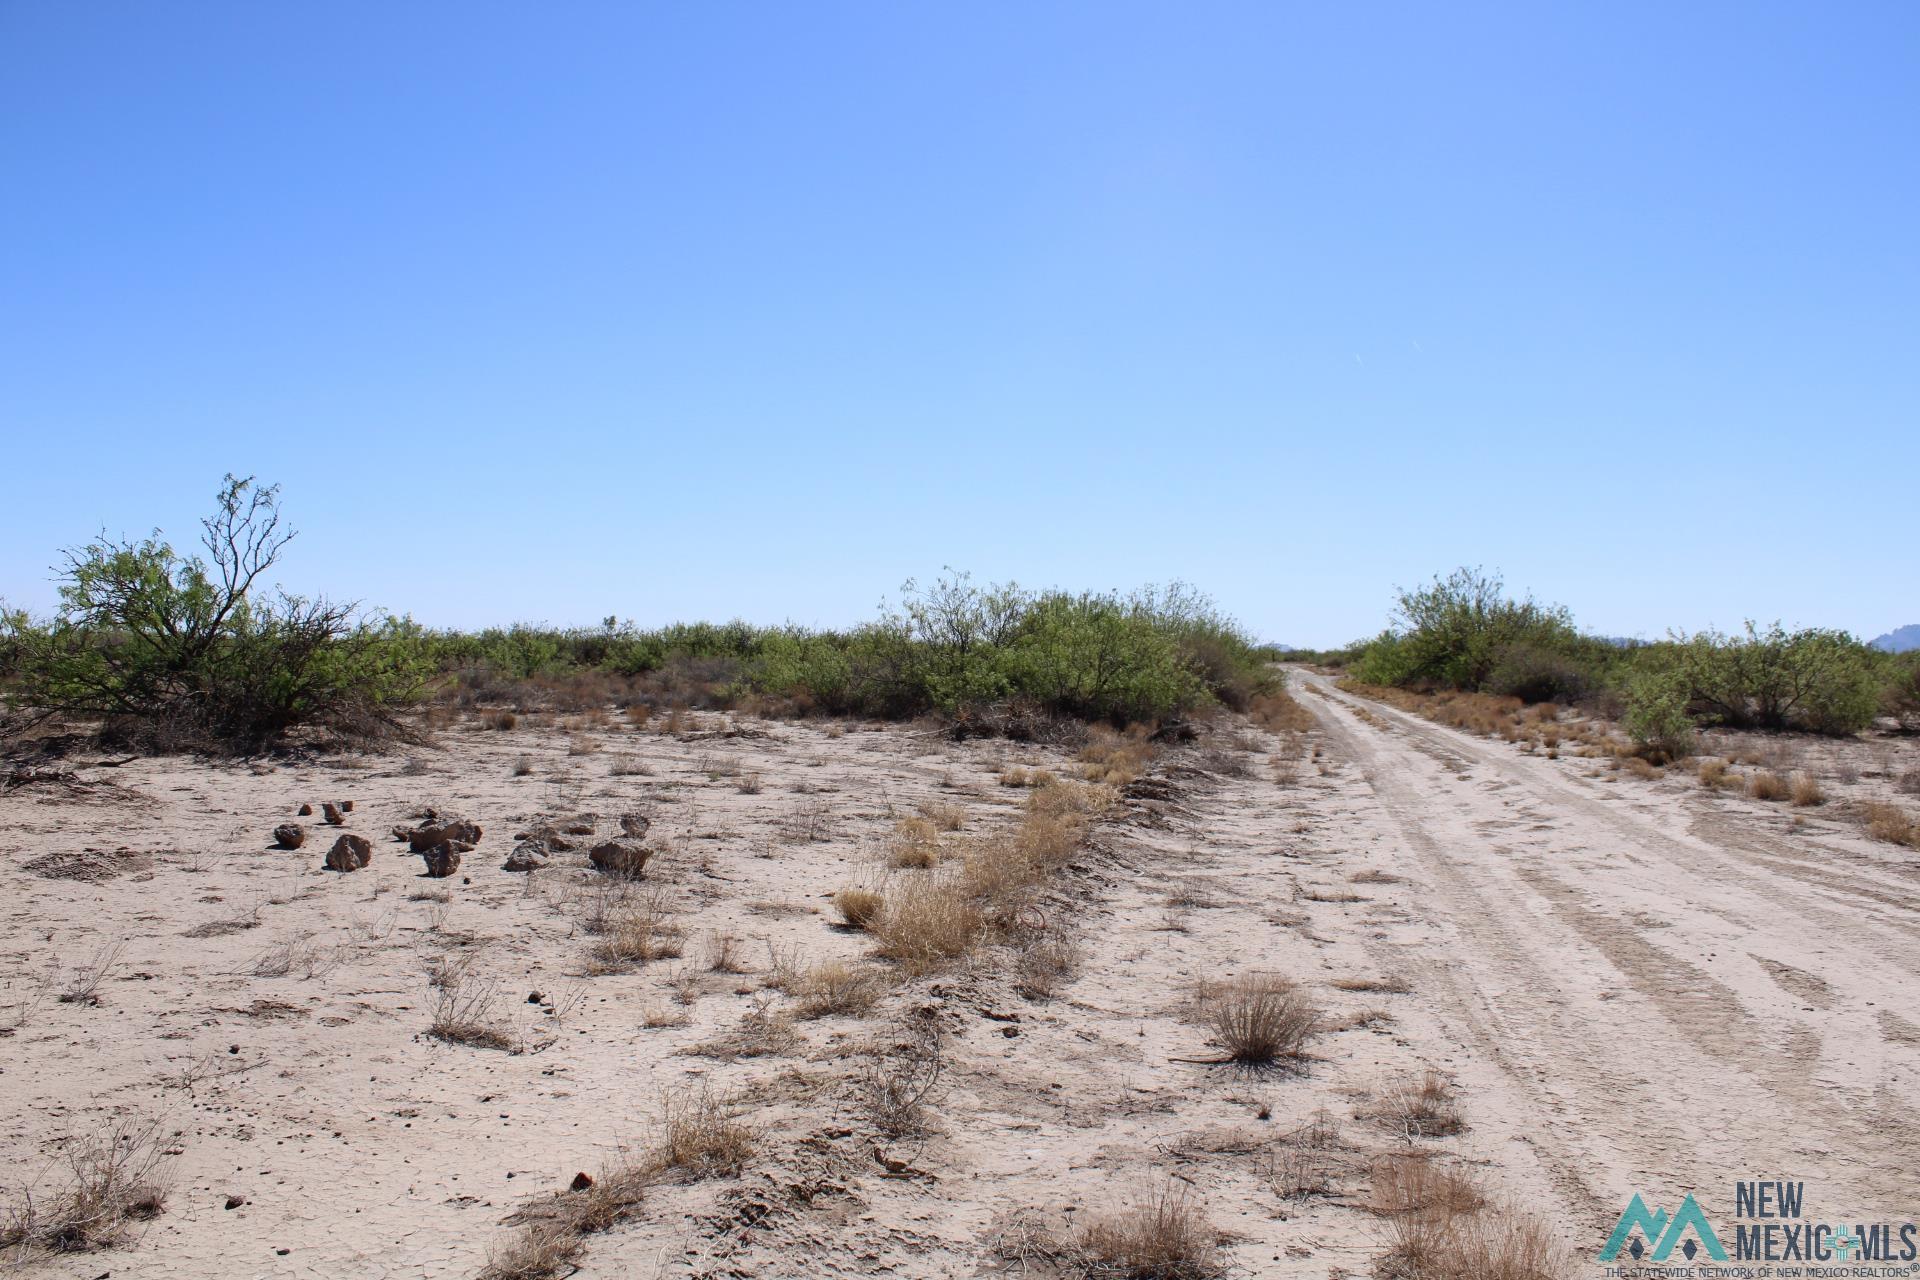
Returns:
(1657, 989)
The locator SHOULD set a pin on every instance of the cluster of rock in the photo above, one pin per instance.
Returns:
(624, 855)
(440, 839)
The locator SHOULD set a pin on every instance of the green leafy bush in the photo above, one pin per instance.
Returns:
(1814, 679)
(1656, 715)
(176, 652)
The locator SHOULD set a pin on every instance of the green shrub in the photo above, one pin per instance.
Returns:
(1900, 686)
(1656, 716)
(1820, 680)
(1532, 673)
(1456, 630)
(174, 652)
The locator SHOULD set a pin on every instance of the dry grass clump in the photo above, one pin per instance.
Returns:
(915, 844)
(1712, 773)
(1805, 791)
(928, 922)
(1163, 1235)
(1421, 1106)
(636, 933)
(1414, 1182)
(1441, 1227)
(1259, 1018)
(700, 1136)
(1490, 1244)
(1116, 758)
(933, 920)
(1279, 711)
(464, 1015)
(550, 1236)
(1639, 768)
(115, 1176)
(1767, 785)
(836, 987)
(1046, 961)
(858, 906)
(763, 1032)
(945, 817)
(1893, 824)
(1015, 776)
(522, 766)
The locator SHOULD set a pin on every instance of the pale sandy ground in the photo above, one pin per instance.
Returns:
(1634, 986)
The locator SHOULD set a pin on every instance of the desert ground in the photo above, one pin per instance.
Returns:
(1556, 980)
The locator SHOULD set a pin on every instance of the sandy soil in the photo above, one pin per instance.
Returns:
(1630, 986)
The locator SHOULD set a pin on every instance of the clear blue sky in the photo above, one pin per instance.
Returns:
(547, 312)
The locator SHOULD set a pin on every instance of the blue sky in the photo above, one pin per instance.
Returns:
(550, 312)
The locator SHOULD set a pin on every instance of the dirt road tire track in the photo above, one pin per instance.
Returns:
(1656, 997)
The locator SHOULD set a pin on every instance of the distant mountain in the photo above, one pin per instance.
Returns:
(1900, 639)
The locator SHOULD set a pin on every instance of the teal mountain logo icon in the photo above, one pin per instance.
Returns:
(1662, 1234)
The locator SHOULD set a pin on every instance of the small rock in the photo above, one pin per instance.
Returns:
(581, 1181)
(346, 806)
(533, 997)
(443, 859)
(621, 857)
(525, 857)
(234, 1202)
(306, 811)
(349, 853)
(289, 835)
(332, 811)
(577, 827)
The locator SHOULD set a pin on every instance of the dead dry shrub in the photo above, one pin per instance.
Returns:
(1279, 711)
(1414, 1182)
(114, 1176)
(945, 817)
(723, 953)
(836, 987)
(1767, 785)
(762, 1032)
(638, 932)
(1163, 1235)
(1114, 758)
(81, 985)
(1046, 961)
(1422, 1106)
(701, 1136)
(1806, 792)
(1712, 773)
(915, 844)
(464, 1014)
(927, 922)
(1490, 1244)
(551, 1230)
(1259, 1018)
(858, 905)
(899, 1075)
(1892, 824)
